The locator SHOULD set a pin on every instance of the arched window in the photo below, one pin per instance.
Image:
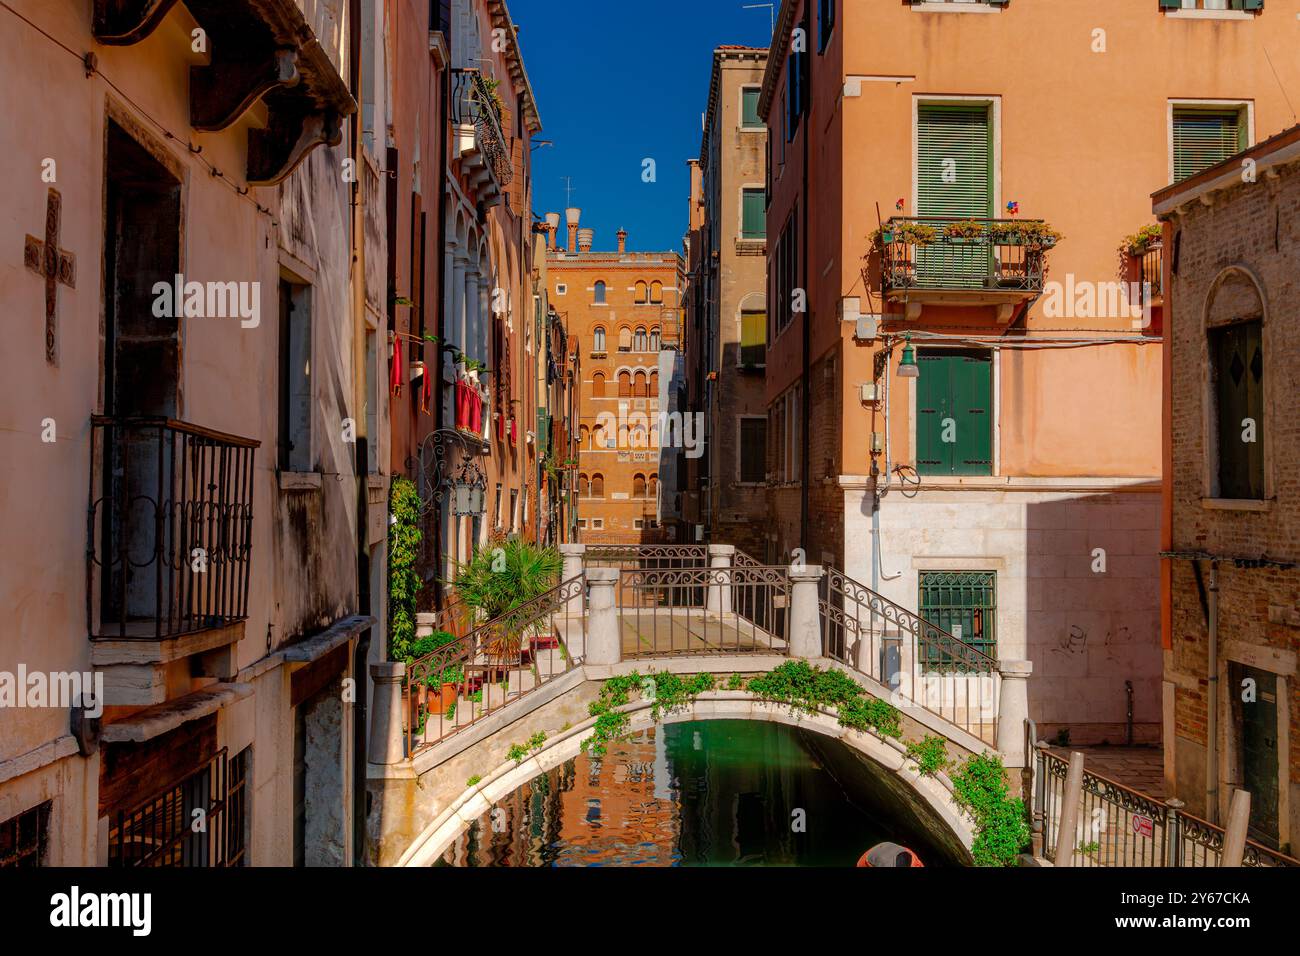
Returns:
(584, 487)
(642, 291)
(654, 486)
(654, 339)
(625, 339)
(654, 384)
(598, 486)
(1238, 426)
(598, 339)
(638, 486)
(598, 385)
(624, 384)
(598, 292)
(639, 340)
(598, 437)
(583, 435)
(656, 291)
(637, 437)
(639, 385)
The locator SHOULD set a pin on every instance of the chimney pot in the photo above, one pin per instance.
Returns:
(552, 224)
(585, 238)
(622, 241)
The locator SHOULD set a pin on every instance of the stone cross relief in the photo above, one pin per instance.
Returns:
(55, 265)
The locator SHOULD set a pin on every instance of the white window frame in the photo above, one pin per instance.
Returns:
(740, 107)
(1240, 104)
(994, 103)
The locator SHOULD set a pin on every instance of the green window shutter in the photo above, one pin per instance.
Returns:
(1238, 355)
(954, 179)
(1203, 138)
(1171, 4)
(753, 224)
(1249, 4)
(749, 107)
(954, 400)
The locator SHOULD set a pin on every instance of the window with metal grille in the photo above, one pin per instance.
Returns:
(1237, 357)
(1205, 137)
(24, 839)
(198, 822)
(963, 603)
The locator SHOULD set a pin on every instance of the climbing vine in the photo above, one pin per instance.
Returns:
(930, 754)
(403, 580)
(810, 689)
(980, 787)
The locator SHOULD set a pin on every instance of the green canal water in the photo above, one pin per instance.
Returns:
(703, 793)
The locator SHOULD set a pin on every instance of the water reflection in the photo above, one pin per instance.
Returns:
(704, 793)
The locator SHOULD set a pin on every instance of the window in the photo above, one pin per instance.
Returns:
(796, 92)
(598, 293)
(749, 118)
(954, 412)
(598, 486)
(496, 507)
(625, 339)
(654, 339)
(638, 523)
(598, 339)
(656, 291)
(753, 449)
(640, 341)
(24, 839)
(654, 385)
(638, 486)
(625, 384)
(640, 388)
(597, 524)
(598, 385)
(963, 603)
(582, 522)
(954, 178)
(753, 338)
(825, 23)
(1237, 369)
(514, 509)
(561, 288)
(295, 399)
(642, 291)
(584, 437)
(584, 485)
(753, 213)
(1204, 137)
(785, 271)
(1212, 4)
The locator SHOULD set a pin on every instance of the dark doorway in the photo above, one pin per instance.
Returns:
(1256, 729)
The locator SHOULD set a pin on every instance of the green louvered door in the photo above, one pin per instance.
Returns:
(1203, 138)
(954, 412)
(954, 180)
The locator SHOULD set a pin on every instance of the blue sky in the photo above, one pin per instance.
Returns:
(617, 82)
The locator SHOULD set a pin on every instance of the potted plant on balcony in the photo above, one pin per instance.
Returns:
(444, 678)
(908, 233)
(1137, 244)
(1039, 235)
(963, 231)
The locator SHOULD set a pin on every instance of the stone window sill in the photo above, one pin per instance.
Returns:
(1210, 14)
(1235, 504)
(300, 481)
(955, 8)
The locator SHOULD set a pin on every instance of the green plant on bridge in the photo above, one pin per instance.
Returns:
(518, 752)
(930, 754)
(671, 693)
(979, 786)
(811, 689)
(403, 580)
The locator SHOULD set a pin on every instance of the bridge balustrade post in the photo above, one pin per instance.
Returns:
(574, 555)
(805, 626)
(1013, 709)
(387, 746)
(1067, 836)
(604, 629)
(1234, 835)
(718, 592)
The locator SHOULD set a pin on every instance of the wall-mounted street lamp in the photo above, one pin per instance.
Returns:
(907, 367)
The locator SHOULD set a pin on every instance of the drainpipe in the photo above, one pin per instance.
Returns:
(1212, 702)
(433, 366)
(805, 467)
(1128, 731)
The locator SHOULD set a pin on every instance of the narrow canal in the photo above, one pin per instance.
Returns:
(705, 793)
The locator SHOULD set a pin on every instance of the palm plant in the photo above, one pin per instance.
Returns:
(501, 577)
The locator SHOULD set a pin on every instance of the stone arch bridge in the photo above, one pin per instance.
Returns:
(442, 729)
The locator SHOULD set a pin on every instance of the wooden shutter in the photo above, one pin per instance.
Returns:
(954, 178)
(753, 338)
(518, 190)
(1203, 138)
(753, 223)
(1238, 355)
(956, 385)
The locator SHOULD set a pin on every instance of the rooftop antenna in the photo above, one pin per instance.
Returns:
(568, 191)
(771, 13)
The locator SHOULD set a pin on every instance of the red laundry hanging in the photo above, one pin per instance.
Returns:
(395, 377)
(426, 388)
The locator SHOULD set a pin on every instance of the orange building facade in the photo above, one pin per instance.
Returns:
(940, 199)
(623, 308)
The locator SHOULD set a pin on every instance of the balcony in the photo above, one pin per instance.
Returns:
(478, 140)
(170, 534)
(1145, 267)
(972, 262)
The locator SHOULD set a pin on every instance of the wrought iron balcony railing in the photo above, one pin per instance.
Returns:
(473, 103)
(993, 256)
(170, 528)
(1147, 270)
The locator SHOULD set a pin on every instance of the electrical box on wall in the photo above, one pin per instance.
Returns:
(866, 328)
(870, 392)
